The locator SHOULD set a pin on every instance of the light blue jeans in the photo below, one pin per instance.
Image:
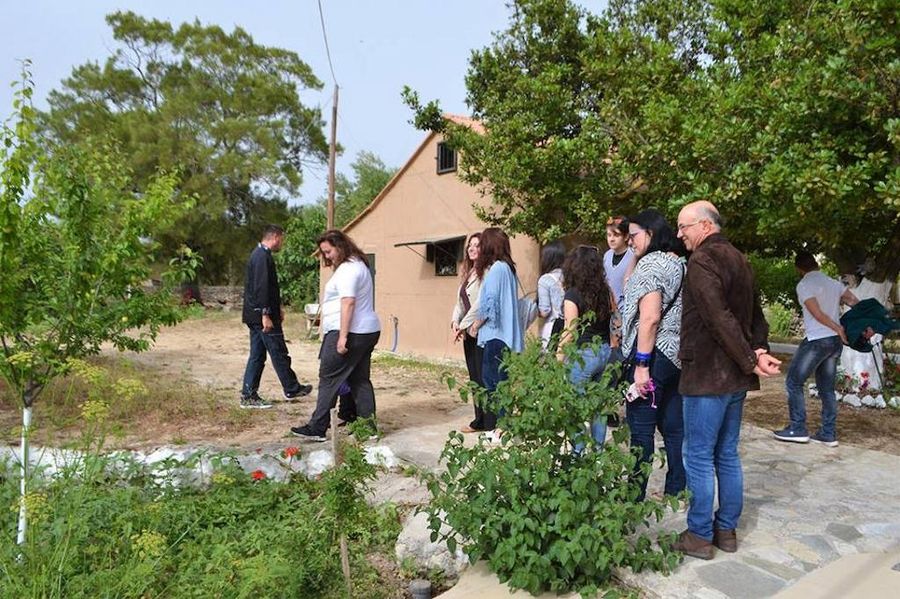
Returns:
(590, 363)
(819, 356)
(712, 429)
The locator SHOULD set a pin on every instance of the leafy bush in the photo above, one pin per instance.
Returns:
(783, 322)
(298, 267)
(543, 516)
(777, 280)
(104, 528)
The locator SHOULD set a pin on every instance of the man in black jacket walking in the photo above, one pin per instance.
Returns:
(264, 315)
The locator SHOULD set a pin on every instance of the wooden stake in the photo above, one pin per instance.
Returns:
(338, 459)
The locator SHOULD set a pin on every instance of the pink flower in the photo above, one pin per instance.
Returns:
(258, 475)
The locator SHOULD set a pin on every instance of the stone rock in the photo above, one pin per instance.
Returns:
(894, 402)
(844, 532)
(46, 462)
(874, 401)
(315, 463)
(739, 581)
(415, 543)
(393, 487)
(273, 468)
(813, 390)
(382, 455)
(853, 400)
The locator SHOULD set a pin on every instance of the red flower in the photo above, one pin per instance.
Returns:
(258, 475)
(864, 375)
(290, 452)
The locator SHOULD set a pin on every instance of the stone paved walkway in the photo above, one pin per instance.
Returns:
(805, 506)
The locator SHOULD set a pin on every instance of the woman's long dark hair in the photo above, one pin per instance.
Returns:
(583, 270)
(662, 238)
(468, 263)
(345, 247)
(494, 246)
(552, 256)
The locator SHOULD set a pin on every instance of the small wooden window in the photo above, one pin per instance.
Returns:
(446, 159)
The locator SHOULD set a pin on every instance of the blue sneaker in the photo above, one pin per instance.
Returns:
(792, 436)
(828, 441)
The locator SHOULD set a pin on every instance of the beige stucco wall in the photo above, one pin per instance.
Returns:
(420, 204)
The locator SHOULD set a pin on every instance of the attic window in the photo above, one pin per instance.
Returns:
(446, 159)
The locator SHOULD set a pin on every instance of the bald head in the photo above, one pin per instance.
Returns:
(704, 210)
(697, 221)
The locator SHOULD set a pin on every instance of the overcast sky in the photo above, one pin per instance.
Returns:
(377, 47)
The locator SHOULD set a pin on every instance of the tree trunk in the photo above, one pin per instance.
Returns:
(23, 469)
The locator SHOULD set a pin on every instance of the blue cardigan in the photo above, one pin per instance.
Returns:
(498, 307)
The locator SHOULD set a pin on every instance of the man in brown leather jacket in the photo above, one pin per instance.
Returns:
(723, 351)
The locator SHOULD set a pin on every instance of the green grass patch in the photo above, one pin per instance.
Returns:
(387, 360)
(130, 393)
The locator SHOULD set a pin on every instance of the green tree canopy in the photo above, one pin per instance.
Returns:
(370, 175)
(216, 107)
(783, 113)
(298, 263)
(77, 246)
(298, 267)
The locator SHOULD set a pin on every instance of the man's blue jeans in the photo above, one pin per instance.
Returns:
(590, 363)
(644, 419)
(712, 429)
(821, 356)
(273, 343)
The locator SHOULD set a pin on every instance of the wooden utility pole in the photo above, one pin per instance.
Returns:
(329, 209)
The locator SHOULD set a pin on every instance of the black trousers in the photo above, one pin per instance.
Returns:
(474, 359)
(353, 367)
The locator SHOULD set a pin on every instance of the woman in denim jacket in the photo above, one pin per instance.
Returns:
(498, 328)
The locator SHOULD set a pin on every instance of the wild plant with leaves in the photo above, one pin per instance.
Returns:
(544, 516)
(76, 249)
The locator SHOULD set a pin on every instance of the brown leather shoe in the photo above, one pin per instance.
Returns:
(690, 544)
(726, 540)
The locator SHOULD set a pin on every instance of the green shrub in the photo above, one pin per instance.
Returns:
(777, 280)
(545, 517)
(95, 534)
(783, 321)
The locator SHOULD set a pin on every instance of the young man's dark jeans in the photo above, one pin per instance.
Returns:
(273, 344)
(334, 368)
(819, 356)
(643, 420)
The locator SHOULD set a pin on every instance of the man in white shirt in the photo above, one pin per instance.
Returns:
(820, 297)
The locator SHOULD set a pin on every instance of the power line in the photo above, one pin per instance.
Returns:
(325, 37)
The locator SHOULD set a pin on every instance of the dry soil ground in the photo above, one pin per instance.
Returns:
(201, 361)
